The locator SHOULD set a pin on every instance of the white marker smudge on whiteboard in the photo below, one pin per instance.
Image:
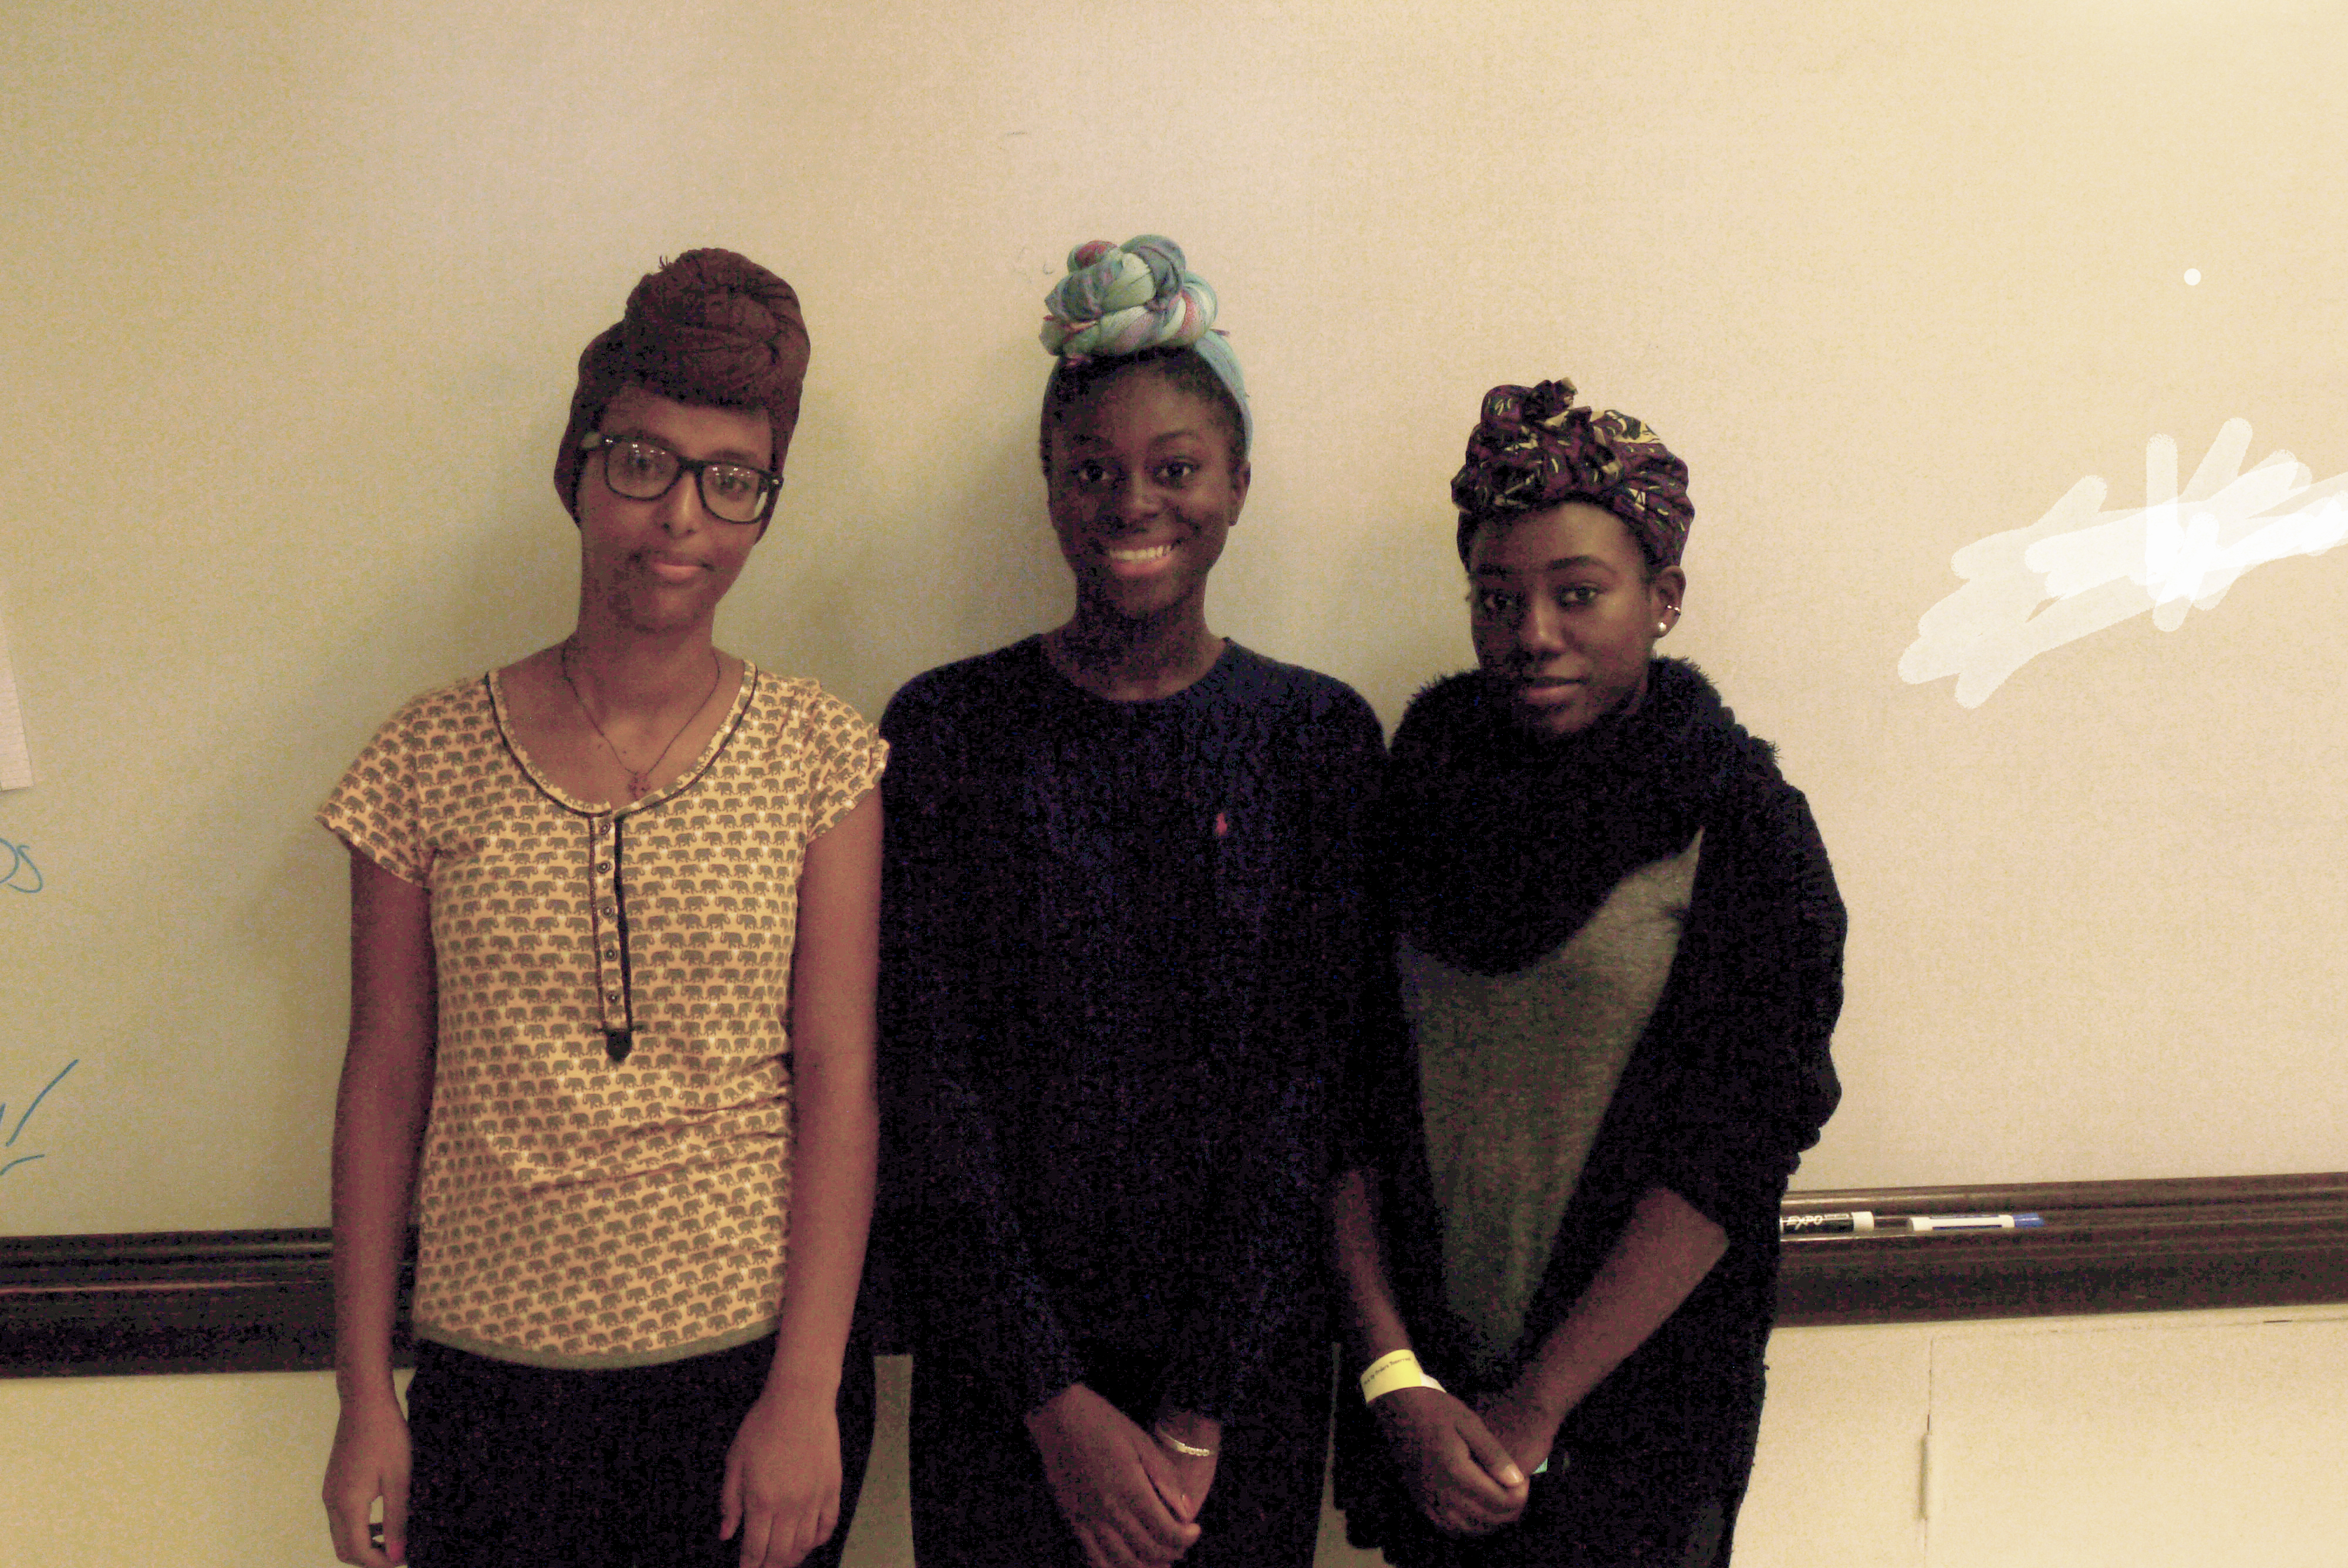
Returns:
(2182, 549)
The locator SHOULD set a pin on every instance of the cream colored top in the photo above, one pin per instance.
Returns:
(576, 1210)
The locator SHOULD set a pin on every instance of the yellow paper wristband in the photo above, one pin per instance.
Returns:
(1395, 1370)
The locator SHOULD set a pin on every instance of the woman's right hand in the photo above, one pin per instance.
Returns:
(1114, 1484)
(370, 1460)
(1459, 1474)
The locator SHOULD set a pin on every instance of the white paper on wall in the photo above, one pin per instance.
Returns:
(16, 762)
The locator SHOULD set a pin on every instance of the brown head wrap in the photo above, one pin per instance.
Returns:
(1534, 448)
(710, 328)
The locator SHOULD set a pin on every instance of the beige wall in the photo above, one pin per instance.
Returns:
(293, 293)
(2175, 1441)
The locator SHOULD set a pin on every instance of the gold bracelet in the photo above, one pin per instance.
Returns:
(1188, 1450)
(1391, 1372)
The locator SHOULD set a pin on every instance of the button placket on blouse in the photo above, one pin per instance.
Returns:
(604, 890)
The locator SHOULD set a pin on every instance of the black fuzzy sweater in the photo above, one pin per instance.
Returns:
(1125, 947)
(1496, 846)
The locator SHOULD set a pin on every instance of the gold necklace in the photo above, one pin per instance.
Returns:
(639, 781)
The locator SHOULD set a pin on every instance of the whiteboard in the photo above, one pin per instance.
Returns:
(294, 294)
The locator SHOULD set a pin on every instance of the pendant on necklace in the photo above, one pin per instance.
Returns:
(638, 783)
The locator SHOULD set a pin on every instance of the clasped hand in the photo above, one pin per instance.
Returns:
(1131, 1502)
(1466, 1468)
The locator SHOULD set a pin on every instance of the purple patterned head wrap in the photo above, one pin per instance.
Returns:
(710, 328)
(1122, 300)
(1534, 448)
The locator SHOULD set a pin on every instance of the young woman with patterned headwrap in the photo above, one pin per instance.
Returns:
(614, 933)
(1124, 943)
(1619, 953)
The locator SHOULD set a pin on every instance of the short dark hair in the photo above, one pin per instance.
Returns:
(1080, 383)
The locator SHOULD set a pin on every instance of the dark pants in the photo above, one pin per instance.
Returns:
(980, 1499)
(520, 1466)
(1594, 1516)
(1647, 1509)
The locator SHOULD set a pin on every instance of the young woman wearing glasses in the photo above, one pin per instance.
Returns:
(613, 936)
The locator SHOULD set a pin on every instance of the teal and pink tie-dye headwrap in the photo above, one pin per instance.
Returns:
(1120, 300)
(1535, 447)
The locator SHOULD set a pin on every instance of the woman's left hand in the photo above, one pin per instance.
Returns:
(1527, 1433)
(782, 1478)
(1197, 1472)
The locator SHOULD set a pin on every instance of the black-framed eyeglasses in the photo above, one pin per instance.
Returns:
(644, 470)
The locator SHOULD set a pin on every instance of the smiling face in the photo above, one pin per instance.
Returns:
(1143, 493)
(1565, 614)
(663, 564)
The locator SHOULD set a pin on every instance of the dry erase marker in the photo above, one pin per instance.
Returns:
(1922, 1223)
(1857, 1221)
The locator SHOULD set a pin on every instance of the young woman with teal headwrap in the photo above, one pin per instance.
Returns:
(1124, 945)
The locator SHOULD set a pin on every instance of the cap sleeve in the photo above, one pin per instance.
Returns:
(848, 756)
(374, 809)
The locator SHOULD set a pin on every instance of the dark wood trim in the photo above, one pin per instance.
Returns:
(193, 1301)
(2104, 1247)
(243, 1301)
